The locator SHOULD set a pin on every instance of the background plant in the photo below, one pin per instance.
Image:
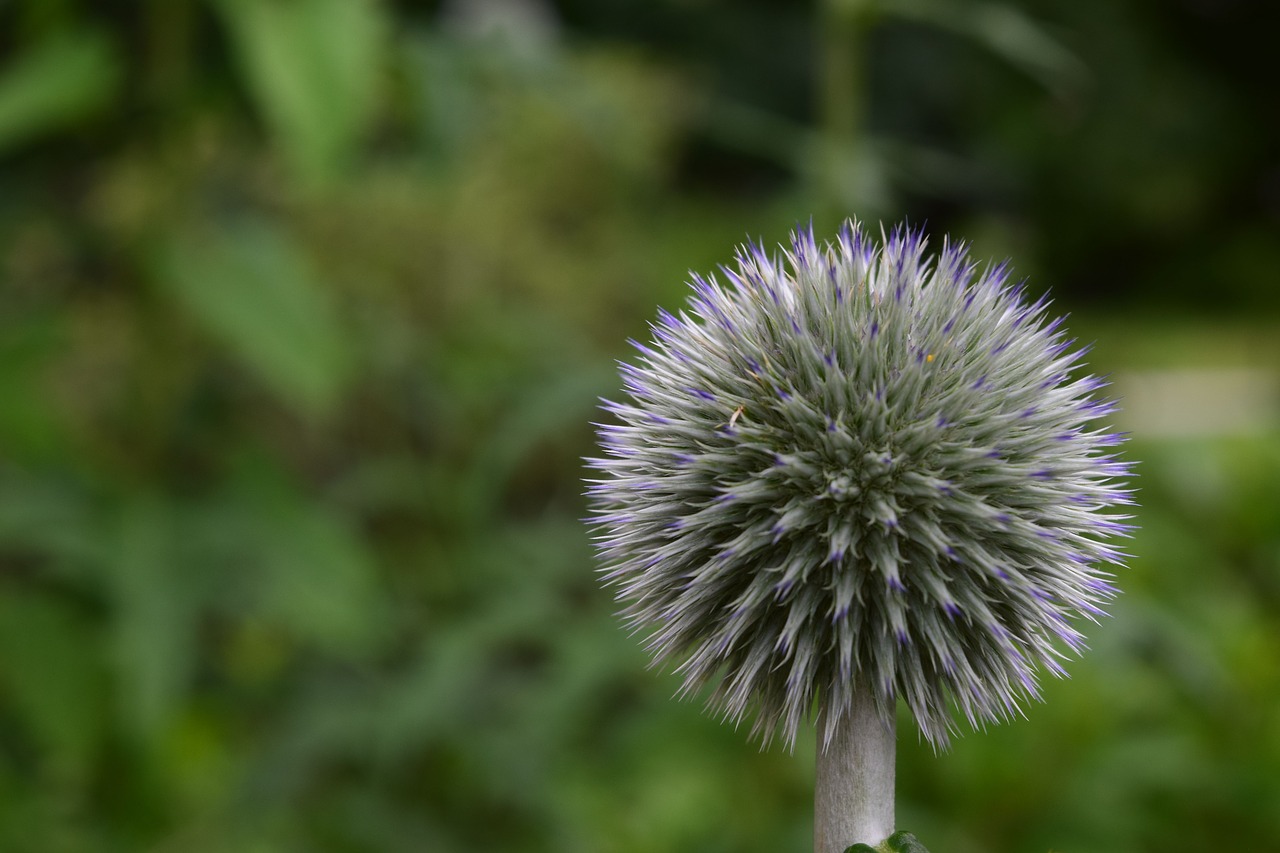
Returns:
(305, 307)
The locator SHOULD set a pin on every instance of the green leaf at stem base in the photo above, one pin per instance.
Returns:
(899, 842)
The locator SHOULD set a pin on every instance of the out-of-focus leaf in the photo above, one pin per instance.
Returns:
(51, 674)
(443, 86)
(307, 570)
(539, 415)
(48, 519)
(154, 637)
(252, 288)
(1006, 31)
(56, 83)
(28, 426)
(320, 580)
(313, 68)
(453, 683)
(199, 758)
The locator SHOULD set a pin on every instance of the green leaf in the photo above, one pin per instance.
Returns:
(48, 517)
(251, 288)
(320, 580)
(1008, 33)
(312, 66)
(29, 424)
(899, 842)
(52, 677)
(535, 416)
(56, 83)
(155, 619)
(308, 570)
(904, 842)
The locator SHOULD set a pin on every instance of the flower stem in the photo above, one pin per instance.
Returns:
(853, 797)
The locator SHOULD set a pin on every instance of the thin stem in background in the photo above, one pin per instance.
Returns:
(845, 178)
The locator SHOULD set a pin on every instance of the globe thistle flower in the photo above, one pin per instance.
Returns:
(857, 468)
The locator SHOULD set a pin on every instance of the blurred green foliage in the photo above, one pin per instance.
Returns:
(304, 309)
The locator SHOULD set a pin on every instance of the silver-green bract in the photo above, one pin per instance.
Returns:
(858, 467)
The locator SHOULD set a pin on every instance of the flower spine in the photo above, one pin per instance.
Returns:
(859, 467)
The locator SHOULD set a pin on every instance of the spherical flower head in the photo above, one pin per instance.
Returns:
(858, 467)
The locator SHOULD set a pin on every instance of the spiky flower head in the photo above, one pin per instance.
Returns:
(858, 467)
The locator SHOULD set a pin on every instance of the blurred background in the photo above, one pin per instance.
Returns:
(304, 309)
